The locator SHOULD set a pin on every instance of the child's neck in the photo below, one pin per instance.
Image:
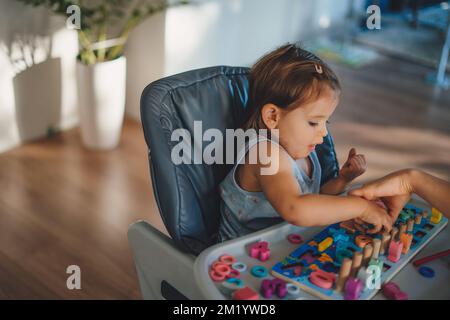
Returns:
(306, 165)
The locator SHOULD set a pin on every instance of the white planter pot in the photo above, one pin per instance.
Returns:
(37, 92)
(101, 99)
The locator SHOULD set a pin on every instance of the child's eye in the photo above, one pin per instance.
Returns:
(313, 124)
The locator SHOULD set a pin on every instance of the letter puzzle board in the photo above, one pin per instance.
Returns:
(326, 250)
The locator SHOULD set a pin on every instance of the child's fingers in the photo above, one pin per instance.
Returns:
(376, 228)
(383, 221)
(363, 158)
(361, 162)
(351, 153)
(354, 163)
(383, 224)
(357, 165)
(359, 221)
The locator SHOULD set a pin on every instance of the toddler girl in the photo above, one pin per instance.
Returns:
(292, 95)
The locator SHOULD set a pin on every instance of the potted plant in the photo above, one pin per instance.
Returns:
(104, 27)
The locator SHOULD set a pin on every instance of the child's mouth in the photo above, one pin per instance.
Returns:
(311, 147)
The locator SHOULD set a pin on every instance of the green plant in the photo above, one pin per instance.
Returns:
(98, 17)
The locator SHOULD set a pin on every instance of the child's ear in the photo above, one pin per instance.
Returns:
(270, 115)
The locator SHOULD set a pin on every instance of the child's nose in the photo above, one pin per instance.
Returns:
(324, 131)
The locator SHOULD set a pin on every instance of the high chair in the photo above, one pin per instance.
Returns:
(187, 194)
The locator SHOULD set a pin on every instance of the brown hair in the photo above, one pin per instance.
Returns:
(288, 76)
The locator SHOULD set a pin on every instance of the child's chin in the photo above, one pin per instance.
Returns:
(301, 155)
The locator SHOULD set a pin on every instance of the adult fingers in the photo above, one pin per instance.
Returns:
(387, 223)
(394, 209)
(363, 192)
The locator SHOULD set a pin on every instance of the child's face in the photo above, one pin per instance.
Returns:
(302, 128)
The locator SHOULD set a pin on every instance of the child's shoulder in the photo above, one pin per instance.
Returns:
(264, 158)
(268, 154)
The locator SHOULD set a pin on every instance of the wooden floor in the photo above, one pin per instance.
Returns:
(61, 204)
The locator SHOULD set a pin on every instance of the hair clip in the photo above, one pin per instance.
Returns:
(318, 68)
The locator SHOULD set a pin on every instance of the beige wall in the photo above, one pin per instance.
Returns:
(219, 32)
(145, 54)
(47, 85)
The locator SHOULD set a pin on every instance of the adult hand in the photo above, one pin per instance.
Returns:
(394, 190)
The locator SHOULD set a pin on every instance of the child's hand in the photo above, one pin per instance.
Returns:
(394, 190)
(354, 166)
(377, 216)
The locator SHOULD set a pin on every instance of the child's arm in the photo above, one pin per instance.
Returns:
(282, 191)
(352, 168)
